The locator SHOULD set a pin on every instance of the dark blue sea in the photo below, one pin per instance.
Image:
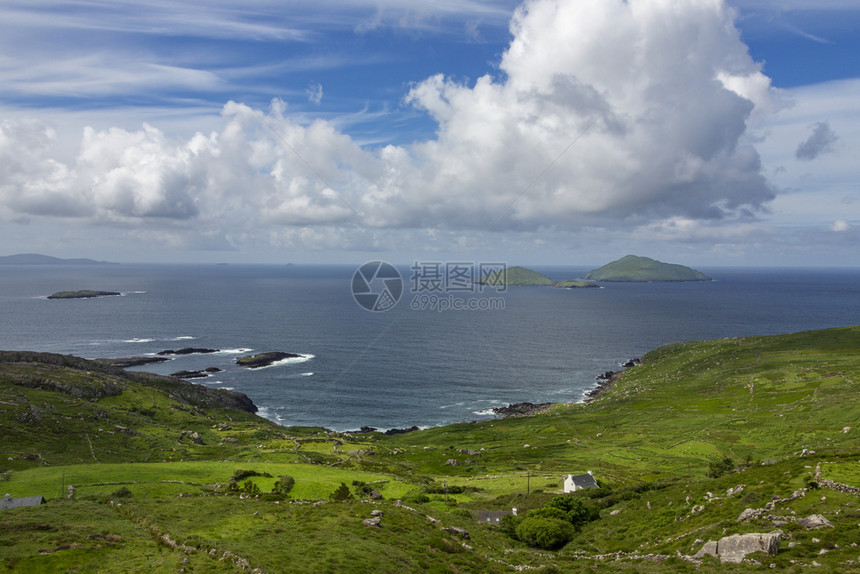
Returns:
(401, 367)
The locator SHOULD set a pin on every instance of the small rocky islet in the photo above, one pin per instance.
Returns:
(83, 294)
(265, 359)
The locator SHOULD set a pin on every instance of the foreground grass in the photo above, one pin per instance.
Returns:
(653, 441)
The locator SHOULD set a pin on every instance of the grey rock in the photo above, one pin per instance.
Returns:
(372, 522)
(750, 513)
(734, 548)
(815, 521)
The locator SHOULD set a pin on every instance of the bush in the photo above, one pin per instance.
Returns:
(577, 512)
(508, 525)
(239, 475)
(545, 533)
(720, 467)
(450, 489)
(549, 512)
(284, 485)
(341, 493)
(122, 492)
(248, 487)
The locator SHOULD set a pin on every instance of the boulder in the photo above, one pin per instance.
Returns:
(815, 521)
(736, 490)
(734, 548)
(372, 522)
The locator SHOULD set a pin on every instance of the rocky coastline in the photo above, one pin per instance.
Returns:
(604, 381)
(522, 409)
(128, 362)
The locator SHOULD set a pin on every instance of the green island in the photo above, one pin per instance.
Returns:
(522, 277)
(83, 294)
(632, 268)
(743, 447)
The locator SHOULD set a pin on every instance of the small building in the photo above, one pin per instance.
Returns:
(9, 502)
(492, 516)
(574, 482)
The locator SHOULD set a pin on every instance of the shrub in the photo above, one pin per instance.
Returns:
(577, 512)
(450, 489)
(546, 533)
(239, 475)
(341, 493)
(508, 525)
(122, 492)
(720, 467)
(549, 512)
(248, 487)
(284, 485)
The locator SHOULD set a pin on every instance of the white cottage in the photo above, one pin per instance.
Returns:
(574, 482)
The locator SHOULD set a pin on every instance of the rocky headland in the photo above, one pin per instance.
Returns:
(522, 409)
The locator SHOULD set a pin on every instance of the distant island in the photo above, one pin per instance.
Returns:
(632, 268)
(84, 294)
(521, 277)
(36, 259)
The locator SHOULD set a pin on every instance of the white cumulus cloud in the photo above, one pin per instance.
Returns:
(612, 113)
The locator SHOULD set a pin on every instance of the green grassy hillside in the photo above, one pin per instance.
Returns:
(631, 268)
(771, 418)
(518, 276)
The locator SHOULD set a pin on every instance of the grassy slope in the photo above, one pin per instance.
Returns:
(518, 276)
(650, 439)
(633, 268)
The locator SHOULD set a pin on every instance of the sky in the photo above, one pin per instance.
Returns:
(553, 132)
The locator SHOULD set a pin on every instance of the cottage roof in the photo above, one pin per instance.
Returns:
(583, 480)
(8, 502)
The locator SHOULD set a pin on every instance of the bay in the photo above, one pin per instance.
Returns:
(401, 367)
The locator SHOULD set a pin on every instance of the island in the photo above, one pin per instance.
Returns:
(265, 359)
(575, 284)
(632, 268)
(522, 277)
(187, 351)
(37, 259)
(84, 294)
(200, 374)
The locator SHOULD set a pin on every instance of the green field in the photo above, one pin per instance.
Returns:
(151, 461)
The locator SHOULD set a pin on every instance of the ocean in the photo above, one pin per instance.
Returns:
(412, 364)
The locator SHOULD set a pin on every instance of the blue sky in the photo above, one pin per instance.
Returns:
(557, 132)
